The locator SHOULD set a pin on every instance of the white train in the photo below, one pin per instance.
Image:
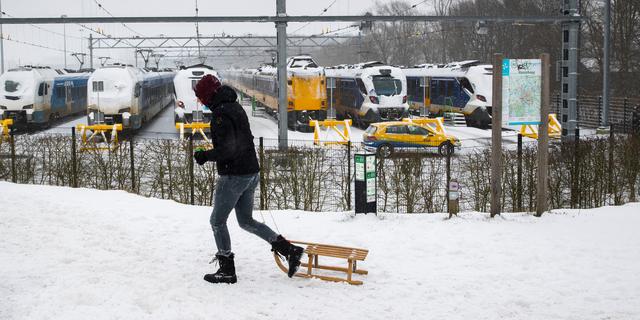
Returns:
(25, 95)
(463, 87)
(186, 100)
(368, 92)
(127, 95)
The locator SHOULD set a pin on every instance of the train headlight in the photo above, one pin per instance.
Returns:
(125, 119)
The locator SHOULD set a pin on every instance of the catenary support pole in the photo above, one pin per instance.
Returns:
(282, 75)
(543, 138)
(90, 51)
(1, 43)
(496, 136)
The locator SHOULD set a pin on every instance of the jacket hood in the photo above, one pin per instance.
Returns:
(224, 94)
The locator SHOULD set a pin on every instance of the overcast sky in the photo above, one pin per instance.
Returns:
(16, 53)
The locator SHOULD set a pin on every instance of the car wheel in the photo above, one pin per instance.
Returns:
(445, 149)
(385, 150)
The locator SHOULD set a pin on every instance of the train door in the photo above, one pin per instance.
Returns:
(68, 101)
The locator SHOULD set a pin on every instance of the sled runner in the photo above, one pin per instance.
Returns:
(315, 250)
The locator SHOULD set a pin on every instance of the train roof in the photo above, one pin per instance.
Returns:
(364, 70)
(72, 77)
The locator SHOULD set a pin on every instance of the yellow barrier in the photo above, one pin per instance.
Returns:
(99, 130)
(345, 134)
(5, 126)
(555, 129)
(437, 124)
(197, 128)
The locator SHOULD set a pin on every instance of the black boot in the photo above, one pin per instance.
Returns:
(291, 252)
(226, 273)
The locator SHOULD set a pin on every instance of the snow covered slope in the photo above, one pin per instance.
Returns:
(85, 254)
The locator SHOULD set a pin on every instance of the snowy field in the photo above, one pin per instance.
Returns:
(87, 254)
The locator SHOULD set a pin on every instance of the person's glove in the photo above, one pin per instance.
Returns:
(200, 156)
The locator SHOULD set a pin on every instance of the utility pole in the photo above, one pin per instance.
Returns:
(1, 42)
(90, 50)
(64, 35)
(605, 62)
(281, 28)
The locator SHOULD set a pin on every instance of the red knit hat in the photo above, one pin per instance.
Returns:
(206, 88)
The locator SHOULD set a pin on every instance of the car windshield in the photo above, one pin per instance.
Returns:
(387, 85)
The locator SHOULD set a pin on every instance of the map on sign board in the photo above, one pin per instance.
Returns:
(521, 91)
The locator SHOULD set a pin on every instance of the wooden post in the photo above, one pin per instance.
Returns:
(519, 181)
(349, 175)
(543, 139)
(496, 136)
(74, 159)
(262, 185)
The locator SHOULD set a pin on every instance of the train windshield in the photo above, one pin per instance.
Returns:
(387, 85)
(11, 86)
(304, 62)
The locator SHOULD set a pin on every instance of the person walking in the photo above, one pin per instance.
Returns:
(238, 171)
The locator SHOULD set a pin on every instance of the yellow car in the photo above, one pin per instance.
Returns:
(385, 137)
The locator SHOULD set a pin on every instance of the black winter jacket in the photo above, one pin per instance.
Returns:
(233, 148)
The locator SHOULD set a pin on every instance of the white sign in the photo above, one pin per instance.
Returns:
(521, 91)
(359, 171)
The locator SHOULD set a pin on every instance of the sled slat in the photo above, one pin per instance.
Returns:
(316, 250)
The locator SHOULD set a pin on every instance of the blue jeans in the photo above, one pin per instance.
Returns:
(236, 191)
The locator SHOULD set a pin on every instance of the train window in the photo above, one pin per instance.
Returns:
(41, 89)
(98, 86)
(442, 84)
(136, 91)
(59, 91)
(450, 89)
(361, 86)
(465, 83)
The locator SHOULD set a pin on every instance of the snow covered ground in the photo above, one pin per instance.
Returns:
(86, 254)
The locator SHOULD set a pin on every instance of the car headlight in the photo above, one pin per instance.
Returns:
(28, 107)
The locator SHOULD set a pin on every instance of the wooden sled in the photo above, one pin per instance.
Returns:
(315, 250)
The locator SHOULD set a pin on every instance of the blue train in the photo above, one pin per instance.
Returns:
(34, 96)
(464, 87)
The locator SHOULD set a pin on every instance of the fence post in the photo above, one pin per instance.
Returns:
(519, 180)
(349, 175)
(12, 142)
(74, 164)
(575, 200)
(610, 168)
(262, 185)
(447, 183)
(191, 177)
(133, 169)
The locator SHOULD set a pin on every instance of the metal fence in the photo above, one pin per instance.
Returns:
(590, 111)
(595, 171)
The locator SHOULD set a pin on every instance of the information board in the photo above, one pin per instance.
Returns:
(521, 91)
